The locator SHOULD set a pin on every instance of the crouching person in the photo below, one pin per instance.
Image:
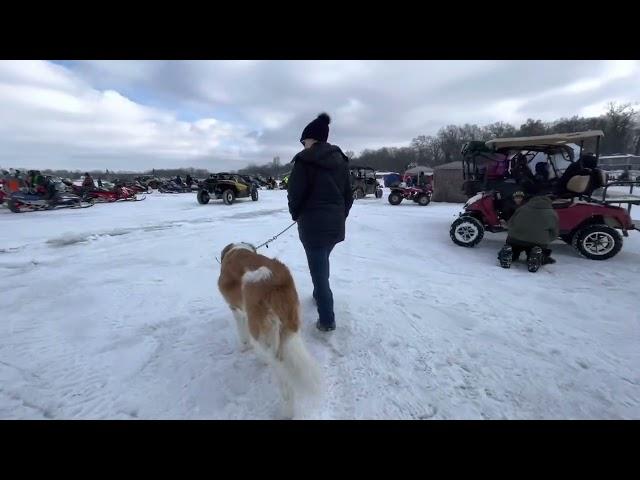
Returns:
(532, 228)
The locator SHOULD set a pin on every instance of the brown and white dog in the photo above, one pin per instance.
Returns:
(262, 296)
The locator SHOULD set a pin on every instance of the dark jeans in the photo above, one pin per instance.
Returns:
(318, 260)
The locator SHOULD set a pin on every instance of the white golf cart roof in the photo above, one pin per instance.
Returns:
(555, 139)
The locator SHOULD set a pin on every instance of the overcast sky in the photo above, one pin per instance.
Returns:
(223, 115)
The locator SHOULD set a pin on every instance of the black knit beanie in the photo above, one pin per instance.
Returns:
(317, 129)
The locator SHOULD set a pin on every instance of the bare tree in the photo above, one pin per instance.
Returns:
(532, 128)
(619, 128)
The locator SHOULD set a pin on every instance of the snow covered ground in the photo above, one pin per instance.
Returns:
(113, 312)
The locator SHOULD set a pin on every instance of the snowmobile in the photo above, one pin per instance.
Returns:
(53, 196)
(173, 187)
(271, 184)
(119, 193)
(135, 186)
(149, 181)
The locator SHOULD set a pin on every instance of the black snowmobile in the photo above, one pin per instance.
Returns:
(52, 196)
(173, 187)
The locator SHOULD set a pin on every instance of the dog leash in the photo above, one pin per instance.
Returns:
(266, 244)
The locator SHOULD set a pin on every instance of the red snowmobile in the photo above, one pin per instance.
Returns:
(119, 193)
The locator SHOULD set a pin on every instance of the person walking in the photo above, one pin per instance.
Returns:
(320, 198)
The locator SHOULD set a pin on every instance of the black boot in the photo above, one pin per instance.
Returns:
(535, 259)
(505, 256)
(323, 327)
(547, 260)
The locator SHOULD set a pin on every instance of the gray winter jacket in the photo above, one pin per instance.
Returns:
(535, 222)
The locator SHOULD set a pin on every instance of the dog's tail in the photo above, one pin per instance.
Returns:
(300, 368)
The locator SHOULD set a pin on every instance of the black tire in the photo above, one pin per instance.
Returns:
(597, 242)
(568, 238)
(228, 196)
(203, 197)
(466, 231)
(12, 206)
(424, 200)
(254, 195)
(358, 193)
(394, 198)
(379, 193)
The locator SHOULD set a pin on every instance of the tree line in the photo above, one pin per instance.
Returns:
(110, 175)
(619, 124)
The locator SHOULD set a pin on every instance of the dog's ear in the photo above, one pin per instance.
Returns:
(225, 250)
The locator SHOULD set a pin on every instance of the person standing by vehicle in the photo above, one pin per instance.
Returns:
(409, 181)
(532, 228)
(88, 183)
(421, 181)
(320, 198)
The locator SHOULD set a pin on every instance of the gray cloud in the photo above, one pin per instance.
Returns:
(225, 114)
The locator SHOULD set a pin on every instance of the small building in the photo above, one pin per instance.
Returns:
(415, 171)
(447, 183)
(619, 162)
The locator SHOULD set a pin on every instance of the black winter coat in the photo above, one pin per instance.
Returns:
(319, 193)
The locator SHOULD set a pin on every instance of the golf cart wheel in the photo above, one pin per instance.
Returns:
(379, 193)
(597, 242)
(254, 195)
(424, 200)
(358, 193)
(228, 196)
(394, 198)
(466, 232)
(12, 206)
(203, 197)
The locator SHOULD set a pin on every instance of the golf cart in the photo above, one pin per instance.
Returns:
(364, 182)
(584, 201)
(226, 186)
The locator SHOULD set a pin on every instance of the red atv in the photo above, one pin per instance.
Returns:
(421, 194)
(588, 222)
